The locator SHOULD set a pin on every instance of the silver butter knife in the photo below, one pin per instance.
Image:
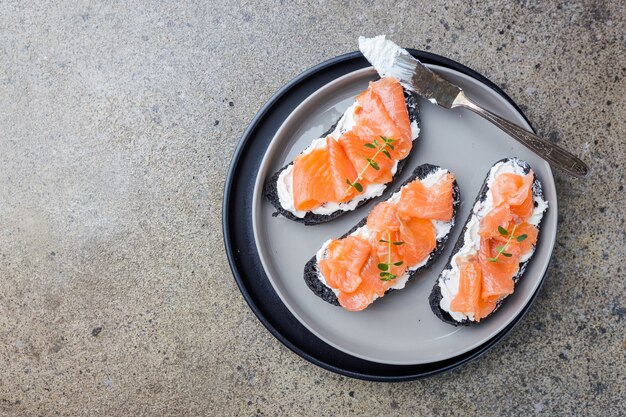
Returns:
(391, 60)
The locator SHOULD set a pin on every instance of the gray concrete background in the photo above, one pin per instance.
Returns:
(117, 124)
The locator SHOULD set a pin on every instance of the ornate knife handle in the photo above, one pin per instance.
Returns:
(552, 153)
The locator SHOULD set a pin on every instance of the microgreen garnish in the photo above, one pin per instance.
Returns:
(501, 249)
(372, 163)
(380, 148)
(393, 243)
(385, 275)
(355, 184)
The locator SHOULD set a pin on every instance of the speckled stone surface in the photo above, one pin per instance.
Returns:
(117, 124)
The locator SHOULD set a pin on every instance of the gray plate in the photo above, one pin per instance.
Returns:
(400, 328)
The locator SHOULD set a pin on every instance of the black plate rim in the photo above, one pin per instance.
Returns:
(226, 219)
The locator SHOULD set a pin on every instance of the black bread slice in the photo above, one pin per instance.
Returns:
(270, 189)
(311, 271)
(435, 295)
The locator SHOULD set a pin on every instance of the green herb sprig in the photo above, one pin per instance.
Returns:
(501, 249)
(385, 274)
(380, 148)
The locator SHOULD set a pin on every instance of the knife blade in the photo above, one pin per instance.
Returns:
(389, 59)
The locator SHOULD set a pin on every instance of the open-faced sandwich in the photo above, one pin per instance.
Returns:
(399, 237)
(495, 245)
(354, 161)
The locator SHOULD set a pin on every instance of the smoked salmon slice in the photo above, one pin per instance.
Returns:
(528, 230)
(373, 114)
(434, 202)
(391, 95)
(511, 188)
(312, 180)
(419, 239)
(525, 209)
(516, 191)
(355, 301)
(384, 217)
(346, 258)
(497, 217)
(371, 286)
(387, 246)
(470, 283)
(471, 295)
(497, 276)
(341, 169)
(355, 144)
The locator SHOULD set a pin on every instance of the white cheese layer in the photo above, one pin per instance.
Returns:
(450, 278)
(285, 179)
(382, 54)
(441, 230)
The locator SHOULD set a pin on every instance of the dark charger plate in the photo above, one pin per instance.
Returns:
(240, 243)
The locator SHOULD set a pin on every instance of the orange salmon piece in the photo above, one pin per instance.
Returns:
(511, 188)
(419, 240)
(354, 144)
(469, 298)
(497, 276)
(499, 216)
(341, 169)
(391, 95)
(345, 259)
(312, 180)
(371, 113)
(384, 216)
(389, 252)
(435, 202)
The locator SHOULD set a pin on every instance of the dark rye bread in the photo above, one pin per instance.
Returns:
(436, 295)
(311, 271)
(271, 193)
